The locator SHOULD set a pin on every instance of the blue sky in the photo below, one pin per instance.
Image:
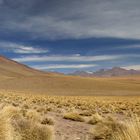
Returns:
(66, 36)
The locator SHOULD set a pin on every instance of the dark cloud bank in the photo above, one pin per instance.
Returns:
(59, 19)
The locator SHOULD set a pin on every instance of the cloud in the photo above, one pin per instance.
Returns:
(66, 19)
(70, 58)
(21, 49)
(130, 47)
(29, 50)
(59, 66)
(135, 67)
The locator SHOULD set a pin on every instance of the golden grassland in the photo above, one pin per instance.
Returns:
(73, 85)
(26, 117)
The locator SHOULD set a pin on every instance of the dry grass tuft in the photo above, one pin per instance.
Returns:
(33, 115)
(47, 120)
(28, 130)
(13, 126)
(10, 112)
(131, 131)
(105, 129)
(112, 129)
(96, 118)
(85, 113)
(74, 117)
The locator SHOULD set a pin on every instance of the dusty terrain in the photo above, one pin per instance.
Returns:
(18, 77)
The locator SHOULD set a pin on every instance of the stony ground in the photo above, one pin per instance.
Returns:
(70, 130)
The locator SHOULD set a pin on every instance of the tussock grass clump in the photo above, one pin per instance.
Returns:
(95, 119)
(33, 115)
(85, 113)
(13, 126)
(47, 120)
(131, 131)
(10, 112)
(105, 129)
(6, 116)
(25, 106)
(74, 117)
(112, 129)
(29, 130)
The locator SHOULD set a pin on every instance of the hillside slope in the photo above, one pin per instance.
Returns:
(10, 68)
(20, 78)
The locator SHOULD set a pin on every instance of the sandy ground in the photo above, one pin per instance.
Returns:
(70, 130)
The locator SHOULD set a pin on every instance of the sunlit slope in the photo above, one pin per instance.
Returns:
(70, 85)
(18, 77)
(9, 68)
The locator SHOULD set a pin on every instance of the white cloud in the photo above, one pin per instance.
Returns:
(21, 49)
(29, 50)
(59, 66)
(72, 58)
(135, 67)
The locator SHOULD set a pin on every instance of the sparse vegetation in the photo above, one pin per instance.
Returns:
(30, 117)
(17, 127)
(130, 130)
(73, 116)
(46, 120)
(113, 129)
(96, 118)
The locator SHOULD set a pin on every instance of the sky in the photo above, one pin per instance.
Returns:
(70, 35)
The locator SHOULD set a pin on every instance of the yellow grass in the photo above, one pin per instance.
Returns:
(73, 116)
(96, 118)
(15, 127)
(25, 116)
(70, 85)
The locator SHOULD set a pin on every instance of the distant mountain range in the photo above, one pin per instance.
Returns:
(114, 72)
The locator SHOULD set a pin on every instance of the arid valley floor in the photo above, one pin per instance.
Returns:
(48, 106)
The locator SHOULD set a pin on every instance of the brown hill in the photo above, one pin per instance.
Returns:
(10, 68)
(20, 78)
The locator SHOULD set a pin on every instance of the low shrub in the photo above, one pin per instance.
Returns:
(74, 117)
